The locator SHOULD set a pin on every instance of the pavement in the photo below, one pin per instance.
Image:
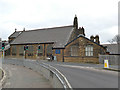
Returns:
(22, 77)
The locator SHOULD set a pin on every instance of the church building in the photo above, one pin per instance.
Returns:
(65, 44)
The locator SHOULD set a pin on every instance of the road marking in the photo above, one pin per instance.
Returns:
(75, 66)
(89, 68)
(61, 75)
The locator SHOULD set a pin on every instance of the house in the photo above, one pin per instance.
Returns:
(65, 43)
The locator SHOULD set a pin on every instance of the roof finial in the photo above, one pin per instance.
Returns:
(15, 29)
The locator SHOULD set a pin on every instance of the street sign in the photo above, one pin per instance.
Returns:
(57, 51)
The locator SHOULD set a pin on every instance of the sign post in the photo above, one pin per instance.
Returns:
(3, 54)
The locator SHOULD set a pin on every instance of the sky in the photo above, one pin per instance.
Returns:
(98, 17)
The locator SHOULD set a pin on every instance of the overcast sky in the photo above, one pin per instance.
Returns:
(96, 16)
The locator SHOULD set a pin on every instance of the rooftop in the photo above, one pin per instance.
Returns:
(57, 35)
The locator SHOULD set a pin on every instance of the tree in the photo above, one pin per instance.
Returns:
(116, 39)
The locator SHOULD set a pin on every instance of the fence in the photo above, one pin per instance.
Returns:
(112, 59)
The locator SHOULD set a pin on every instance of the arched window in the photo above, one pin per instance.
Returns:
(49, 50)
(74, 50)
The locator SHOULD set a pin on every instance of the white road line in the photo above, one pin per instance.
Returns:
(88, 68)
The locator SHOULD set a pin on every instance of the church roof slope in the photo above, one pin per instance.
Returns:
(15, 34)
(57, 35)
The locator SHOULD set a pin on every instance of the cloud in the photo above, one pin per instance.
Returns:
(94, 15)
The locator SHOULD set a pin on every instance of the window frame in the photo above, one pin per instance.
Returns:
(89, 50)
(74, 50)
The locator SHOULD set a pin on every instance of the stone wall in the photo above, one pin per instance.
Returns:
(81, 59)
(65, 54)
(34, 53)
(82, 42)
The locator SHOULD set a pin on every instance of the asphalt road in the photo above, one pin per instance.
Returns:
(22, 77)
(87, 77)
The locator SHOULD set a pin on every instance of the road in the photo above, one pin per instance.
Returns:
(87, 77)
(22, 77)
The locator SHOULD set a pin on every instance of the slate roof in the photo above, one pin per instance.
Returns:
(15, 34)
(57, 35)
(112, 48)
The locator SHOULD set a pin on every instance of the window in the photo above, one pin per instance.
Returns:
(40, 50)
(57, 51)
(14, 51)
(89, 50)
(49, 50)
(30, 50)
(21, 50)
(74, 50)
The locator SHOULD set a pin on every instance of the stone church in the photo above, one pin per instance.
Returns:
(65, 44)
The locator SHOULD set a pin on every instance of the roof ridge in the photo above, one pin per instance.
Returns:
(49, 28)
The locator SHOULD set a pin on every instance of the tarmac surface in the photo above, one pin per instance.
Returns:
(86, 75)
(82, 75)
(22, 77)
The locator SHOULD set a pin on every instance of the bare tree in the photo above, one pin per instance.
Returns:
(116, 39)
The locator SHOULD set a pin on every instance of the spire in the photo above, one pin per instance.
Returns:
(75, 22)
(75, 15)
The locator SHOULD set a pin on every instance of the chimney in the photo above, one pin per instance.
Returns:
(15, 29)
(81, 30)
(97, 39)
(92, 38)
